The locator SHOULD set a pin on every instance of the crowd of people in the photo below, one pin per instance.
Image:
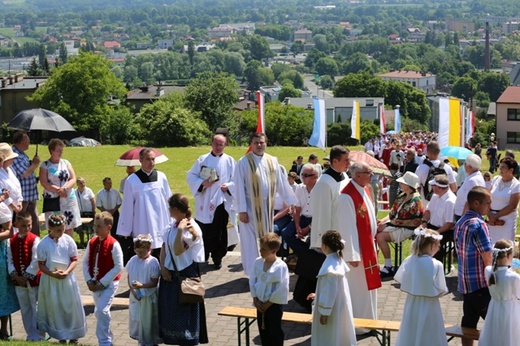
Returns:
(323, 216)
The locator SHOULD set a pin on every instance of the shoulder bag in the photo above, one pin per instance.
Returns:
(191, 290)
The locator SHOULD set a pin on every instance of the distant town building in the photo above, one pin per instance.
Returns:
(14, 90)
(510, 27)
(149, 94)
(303, 35)
(164, 44)
(508, 119)
(111, 44)
(459, 25)
(420, 80)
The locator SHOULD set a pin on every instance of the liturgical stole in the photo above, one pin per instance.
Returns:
(262, 226)
(366, 241)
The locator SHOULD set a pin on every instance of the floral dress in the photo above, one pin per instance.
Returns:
(58, 174)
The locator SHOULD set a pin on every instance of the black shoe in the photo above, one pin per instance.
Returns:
(218, 265)
(387, 272)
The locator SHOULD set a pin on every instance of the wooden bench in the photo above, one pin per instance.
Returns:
(117, 302)
(247, 316)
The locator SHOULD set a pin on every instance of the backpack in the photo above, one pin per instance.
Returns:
(427, 191)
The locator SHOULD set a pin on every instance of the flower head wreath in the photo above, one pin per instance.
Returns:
(420, 232)
(56, 221)
(143, 238)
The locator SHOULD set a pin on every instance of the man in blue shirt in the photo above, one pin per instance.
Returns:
(24, 170)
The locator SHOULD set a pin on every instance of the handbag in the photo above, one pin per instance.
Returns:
(51, 204)
(191, 289)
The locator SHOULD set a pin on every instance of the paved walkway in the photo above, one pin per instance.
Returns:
(229, 286)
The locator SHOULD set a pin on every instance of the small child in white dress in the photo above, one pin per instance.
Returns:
(422, 277)
(503, 314)
(60, 311)
(332, 320)
(269, 284)
(143, 275)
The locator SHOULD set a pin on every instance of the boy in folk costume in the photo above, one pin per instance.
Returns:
(102, 265)
(22, 265)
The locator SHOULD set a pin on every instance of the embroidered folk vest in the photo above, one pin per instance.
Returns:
(105, 260)
(21, 249)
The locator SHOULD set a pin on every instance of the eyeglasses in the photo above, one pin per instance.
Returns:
(308, 175)
(368, 172)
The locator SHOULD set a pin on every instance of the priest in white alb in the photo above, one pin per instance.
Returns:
(145, 206)
(358, 227)
(258, 178)
(211, 183)
(324, 195)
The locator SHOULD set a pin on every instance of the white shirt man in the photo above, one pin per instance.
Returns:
(213, 197)
(473, 178)
(258, 178)
(109, 199)
(438, 214)
(424, 170)
(145, 206)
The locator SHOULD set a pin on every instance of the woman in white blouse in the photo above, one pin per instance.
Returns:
(183, 248)
(505, 194)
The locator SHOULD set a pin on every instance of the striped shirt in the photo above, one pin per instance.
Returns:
(471, 241)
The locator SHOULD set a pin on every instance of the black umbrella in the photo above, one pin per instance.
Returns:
(40, 119)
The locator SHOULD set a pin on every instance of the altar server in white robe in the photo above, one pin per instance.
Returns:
(211, 183)
(332, 320)
(258, 178)
(145, 205)
(422, 277)
(324, 195)
(358, 227)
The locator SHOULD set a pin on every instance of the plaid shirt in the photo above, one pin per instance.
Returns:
(30, 184)
(471, 240)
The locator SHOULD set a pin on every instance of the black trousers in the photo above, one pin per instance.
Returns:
(270, 326)
(307, 269)
(215, 235)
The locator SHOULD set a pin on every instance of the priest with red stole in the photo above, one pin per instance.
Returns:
(358, 226)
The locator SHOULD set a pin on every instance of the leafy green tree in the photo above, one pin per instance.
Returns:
(288, 91)
(146, 72)
(297, 47)
(326, 82)
(256, 75)
(33, 69)
(279, 69)
(259, 47)
(293, 76)
(166, 123)
(80, 89)
(321, 43)
(213, 95)
(464, 87)
(360, 85)
(327, 66)
(119, 127)
(191, 51)
(494, 84)
(368, 130)
(357, 62)
(42, 54)
(312, 57)
(63, 54)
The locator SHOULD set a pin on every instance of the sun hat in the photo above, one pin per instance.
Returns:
(410, 179)
(7, 151)
(440, 180)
